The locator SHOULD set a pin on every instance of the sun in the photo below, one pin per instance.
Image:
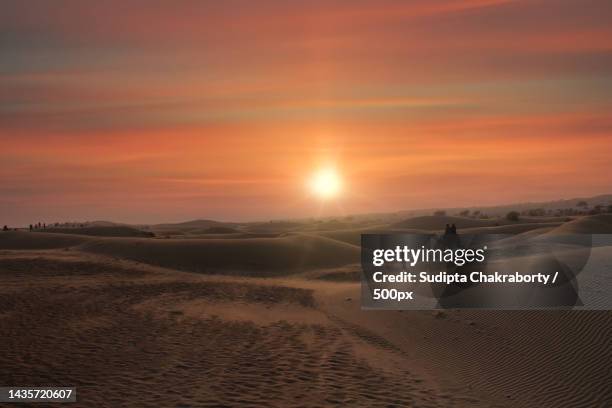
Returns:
(326, 183)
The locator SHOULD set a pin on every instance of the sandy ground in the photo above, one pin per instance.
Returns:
(90, 312)
(128, 334)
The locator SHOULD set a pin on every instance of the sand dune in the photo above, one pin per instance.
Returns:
(437, 222)
(158, 338)
(163, 337)
(594, 224)
(353, 236)
(39, 240)
(274, 226)
(194, 224)
(189, 227)
(102, 231)
(512, 228)
(220, 230)
(509, 358)
(257, 256)
(536, 358)
(276, 321)
(228, 235)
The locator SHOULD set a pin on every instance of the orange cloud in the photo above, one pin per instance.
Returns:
(158, 113)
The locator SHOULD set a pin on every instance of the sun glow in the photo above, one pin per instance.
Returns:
(326, 183)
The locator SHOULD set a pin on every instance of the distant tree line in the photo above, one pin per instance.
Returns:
(581, 208)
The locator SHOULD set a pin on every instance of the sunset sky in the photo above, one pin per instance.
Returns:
(159, 111)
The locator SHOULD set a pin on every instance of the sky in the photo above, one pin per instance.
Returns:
(157, 111)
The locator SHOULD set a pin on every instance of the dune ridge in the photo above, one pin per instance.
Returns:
(258, 256)
(102, 231)
(594, 224)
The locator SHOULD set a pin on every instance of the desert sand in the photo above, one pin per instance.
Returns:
(242, 319)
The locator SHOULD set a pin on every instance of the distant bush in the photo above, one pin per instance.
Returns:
(439, 213)
(464, 213)
(512, 216)
(582, 204)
